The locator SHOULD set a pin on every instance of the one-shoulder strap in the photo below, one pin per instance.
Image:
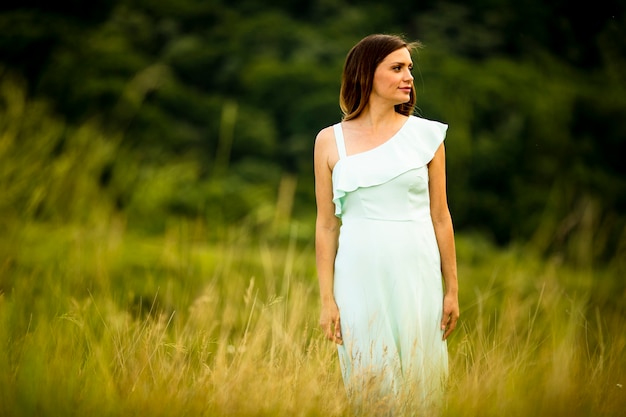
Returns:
(341, 145)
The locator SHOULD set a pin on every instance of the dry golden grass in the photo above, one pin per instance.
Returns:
(105, 322)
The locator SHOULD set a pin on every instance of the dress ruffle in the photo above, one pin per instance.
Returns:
(413, 146)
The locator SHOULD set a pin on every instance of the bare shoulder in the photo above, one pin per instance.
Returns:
(325, 148)
(325, 137)
(325, 141)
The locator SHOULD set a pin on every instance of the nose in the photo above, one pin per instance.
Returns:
(408, 76)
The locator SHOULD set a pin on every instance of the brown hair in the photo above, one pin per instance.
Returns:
(358, 73)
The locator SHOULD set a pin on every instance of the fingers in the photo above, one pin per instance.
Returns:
(449, 328)
(450, 315)
(448, 324)
(329, 330)
(332, 330)
(337, 332)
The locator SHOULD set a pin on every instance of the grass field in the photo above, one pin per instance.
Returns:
(109, 307)
(103, 321)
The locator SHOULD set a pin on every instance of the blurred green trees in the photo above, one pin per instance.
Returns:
(209, 109)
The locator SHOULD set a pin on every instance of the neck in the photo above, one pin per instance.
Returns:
(375, 116)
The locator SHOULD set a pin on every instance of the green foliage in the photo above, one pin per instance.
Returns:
(227, 99)
(198, 109)
(56, 173)
(49, 170)
(522, 164)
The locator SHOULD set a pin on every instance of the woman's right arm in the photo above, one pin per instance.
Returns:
(326, 233)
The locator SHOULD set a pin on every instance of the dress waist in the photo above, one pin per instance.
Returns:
(346, 219)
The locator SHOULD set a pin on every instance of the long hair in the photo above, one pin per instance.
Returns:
(357, 78)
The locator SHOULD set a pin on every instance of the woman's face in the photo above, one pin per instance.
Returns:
(393, 79)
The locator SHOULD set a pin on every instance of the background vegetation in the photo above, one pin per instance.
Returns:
(157, 207)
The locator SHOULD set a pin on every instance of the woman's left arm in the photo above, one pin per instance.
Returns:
(444, 232)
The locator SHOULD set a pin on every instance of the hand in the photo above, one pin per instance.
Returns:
(450, 314)
(331, 323)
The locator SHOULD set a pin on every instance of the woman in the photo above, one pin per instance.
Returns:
(384, 235)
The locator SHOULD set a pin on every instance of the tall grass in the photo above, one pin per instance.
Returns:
(176, 329)
(101, 315)
(104, 322)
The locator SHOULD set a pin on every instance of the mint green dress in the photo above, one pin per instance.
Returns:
(388, 282)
